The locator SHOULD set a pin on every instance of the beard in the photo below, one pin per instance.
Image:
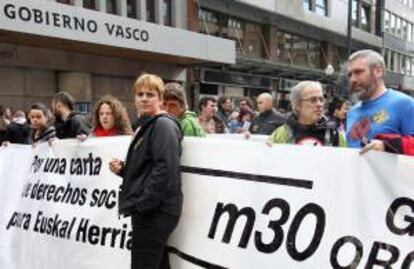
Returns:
(58, 116)
(364, 91)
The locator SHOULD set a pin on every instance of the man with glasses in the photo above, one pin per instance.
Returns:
(307, 125)
(384, 119)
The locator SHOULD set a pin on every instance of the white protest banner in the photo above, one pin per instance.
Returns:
(246, 205)
(66, 216)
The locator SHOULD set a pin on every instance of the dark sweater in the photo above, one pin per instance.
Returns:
(73, 126)
(151, 175)
(267, 122)
(18, 133)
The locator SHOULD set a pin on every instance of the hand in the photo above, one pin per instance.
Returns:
(50, 141)
(269, 143)
(247, 135)
(5, 143)
(82, 137)
(115, 165)
(375, 144)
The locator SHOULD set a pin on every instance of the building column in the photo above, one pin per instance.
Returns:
(192, 15)
(142, 10)
(159, 11)
(179, 13)
(121, 8)
(77, 3)
(101, 5)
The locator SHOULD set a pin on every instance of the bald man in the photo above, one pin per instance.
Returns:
(268, 119)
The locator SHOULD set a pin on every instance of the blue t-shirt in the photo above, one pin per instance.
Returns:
(391, 113)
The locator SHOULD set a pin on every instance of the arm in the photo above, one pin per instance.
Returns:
(279, 136)
(78, 127)
(397, 143)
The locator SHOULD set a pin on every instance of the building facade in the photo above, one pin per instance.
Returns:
(94, 47)
(281, 42)
(398, 43)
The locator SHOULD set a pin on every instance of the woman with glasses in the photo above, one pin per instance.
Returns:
(307, 124)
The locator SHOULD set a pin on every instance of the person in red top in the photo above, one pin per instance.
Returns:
(110, 118)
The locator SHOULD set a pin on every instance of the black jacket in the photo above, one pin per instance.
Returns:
(324, 131)
(152, 174)
(267, 122)
(18, 133)
(72, 127)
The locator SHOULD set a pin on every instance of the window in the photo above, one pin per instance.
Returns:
(207, 16)
(412, 67)
(235, 30)
(412, 29)
(408, 66)
(404, 30)
(83, 107)
(252, 39)
(355, 13)
(307, 4)
(393, 28)
(131, 9)
(63, 1)
(208, 22)
(365, 23)
(341, 57)
(150, 11)
(387, 22)
(402, 64)
(298, 50)
(90, 4)
(321, 8)
(398, 29)
(314, 54)
(283, 50)
(167, 12)
(111, 6)
(410, 32)
(361, 15)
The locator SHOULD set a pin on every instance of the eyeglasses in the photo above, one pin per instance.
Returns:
(314, 99)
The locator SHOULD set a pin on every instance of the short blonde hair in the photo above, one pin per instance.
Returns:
(153, 82)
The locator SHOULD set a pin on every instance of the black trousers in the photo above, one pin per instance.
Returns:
(149, 237)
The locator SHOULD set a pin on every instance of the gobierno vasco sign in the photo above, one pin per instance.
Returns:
(72, 22)
(56, 20)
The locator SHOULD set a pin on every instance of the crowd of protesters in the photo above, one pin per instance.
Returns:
(383, 120)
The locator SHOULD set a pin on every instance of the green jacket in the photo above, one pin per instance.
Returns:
(189, 124)
(284, 135)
